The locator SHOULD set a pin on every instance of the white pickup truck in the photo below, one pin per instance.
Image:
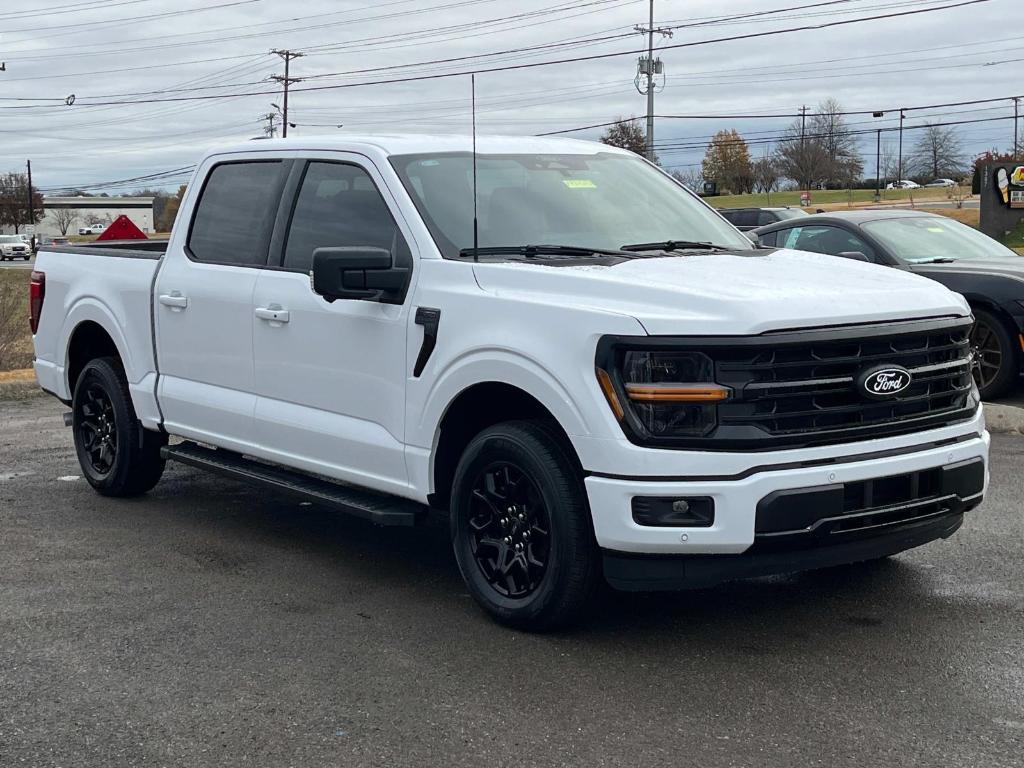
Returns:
(588, 369)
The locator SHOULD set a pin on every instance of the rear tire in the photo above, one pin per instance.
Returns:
(521, 528)
(118, 457)
(996, 354)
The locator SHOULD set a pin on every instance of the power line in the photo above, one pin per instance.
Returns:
(531, 65)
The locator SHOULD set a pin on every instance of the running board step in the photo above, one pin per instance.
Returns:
(378, 508)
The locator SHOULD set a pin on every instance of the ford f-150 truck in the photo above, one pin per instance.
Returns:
(589, 370)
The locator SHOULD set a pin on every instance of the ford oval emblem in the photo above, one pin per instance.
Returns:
(880, 383)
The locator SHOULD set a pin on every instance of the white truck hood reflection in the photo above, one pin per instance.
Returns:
(724, 294)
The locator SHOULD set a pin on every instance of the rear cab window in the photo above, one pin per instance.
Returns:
(235, 213)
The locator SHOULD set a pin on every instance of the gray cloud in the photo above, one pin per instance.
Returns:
(99, 51)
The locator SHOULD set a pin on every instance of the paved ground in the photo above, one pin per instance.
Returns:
(19, 264)
(211, 625)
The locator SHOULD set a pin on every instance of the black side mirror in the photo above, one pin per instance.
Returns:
(855, 255)
(361, 272)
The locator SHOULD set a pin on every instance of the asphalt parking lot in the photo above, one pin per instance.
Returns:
(210, 624)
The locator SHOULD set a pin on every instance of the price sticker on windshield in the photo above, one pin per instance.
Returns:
(579, 183)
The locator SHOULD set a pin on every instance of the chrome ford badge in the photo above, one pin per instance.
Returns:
(880, 383)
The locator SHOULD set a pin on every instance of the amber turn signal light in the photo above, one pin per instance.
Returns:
(677, 393)
(609, 392)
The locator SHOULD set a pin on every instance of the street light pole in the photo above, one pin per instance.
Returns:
(878, 165)
(899, 164)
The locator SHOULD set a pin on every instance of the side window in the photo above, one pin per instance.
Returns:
(339, 206)
(830, 240)
(233, 217)
(746, 218)
(766, 217)
(768, 238)
(733, 217)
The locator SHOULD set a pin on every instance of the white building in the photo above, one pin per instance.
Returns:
(80, 211)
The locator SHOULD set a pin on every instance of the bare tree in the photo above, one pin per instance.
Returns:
(14, 209)
(766, 174)
(625, 134)
(64, 218)
(801, 157)
(938, 153)
(691, 178)
(890, 162)
(829, 129)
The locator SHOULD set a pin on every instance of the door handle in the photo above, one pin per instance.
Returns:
(174, 300)
(274, 314)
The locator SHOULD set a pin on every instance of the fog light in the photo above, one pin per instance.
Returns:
(687, 512)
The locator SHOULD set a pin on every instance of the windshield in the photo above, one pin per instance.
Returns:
(11, 239)
(601, 201)
(924, 238)
(791, 213)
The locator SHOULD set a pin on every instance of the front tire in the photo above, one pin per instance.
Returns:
(521, 529)
(118, 457)
(995, 351)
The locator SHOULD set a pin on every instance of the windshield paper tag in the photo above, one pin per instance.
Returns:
(579, 183)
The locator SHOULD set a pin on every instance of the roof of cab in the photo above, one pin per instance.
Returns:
(414, 144)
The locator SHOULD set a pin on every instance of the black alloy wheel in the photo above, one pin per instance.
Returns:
(509, 530)
(521, 527)
(117, 455)
(996, 364)
(96, 425)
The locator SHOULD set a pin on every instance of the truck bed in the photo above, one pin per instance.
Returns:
(108, 285)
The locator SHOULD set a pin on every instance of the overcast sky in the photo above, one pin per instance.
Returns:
(136, 67)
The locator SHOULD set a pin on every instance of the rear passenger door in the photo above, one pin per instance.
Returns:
(330, 376)
(203, 303)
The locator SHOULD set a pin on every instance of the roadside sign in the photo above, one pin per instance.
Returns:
(805, 199)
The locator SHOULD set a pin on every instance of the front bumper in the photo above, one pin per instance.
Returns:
(736, 498)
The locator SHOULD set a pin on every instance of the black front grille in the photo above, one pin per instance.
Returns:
(790, 388)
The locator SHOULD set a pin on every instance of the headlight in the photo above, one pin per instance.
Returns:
(665, 393)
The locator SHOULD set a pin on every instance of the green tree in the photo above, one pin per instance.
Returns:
(727, 162)
(625, 134)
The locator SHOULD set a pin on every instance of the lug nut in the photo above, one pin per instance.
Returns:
(508, 539)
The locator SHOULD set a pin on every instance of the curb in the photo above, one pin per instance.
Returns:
(22, 375)
(1004, 419)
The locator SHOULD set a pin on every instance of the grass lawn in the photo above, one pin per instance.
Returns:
(826, 197)
(15, 337)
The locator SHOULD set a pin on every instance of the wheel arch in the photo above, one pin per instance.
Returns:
(474, 409)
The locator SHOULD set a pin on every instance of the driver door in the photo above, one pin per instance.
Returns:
(330, 376)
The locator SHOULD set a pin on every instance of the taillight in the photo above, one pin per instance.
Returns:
(36, 294)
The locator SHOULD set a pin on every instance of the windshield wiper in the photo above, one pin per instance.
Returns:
(676, 245)
(936, 260)
(532, 251)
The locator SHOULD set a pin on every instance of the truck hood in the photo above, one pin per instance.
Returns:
(726, 294)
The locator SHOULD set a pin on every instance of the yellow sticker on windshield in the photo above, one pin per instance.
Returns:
(940, 230)
(579, 183)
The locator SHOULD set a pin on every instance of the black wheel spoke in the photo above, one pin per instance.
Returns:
(508, 527)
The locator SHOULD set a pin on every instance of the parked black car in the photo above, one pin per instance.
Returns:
(987, 273)
(746, 219)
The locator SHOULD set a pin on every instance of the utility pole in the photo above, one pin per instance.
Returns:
(803, 124)
(648, 68)
(1016, 123)
(271, 129)
(286, 80)
(899, 163)
(31, 208)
